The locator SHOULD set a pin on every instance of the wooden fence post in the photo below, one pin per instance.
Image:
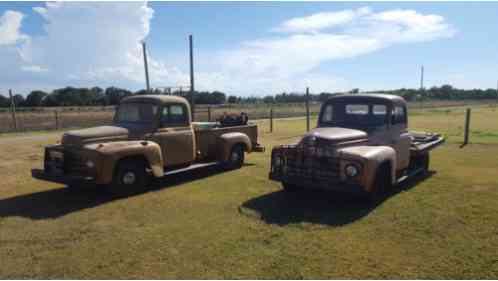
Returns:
(467, 127)
(56, 119)
(271, 120)
(209, 113)
(13, 109)
(307, 109)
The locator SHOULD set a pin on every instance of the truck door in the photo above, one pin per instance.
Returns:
(175, 135)
(400, 138)
(379, 134)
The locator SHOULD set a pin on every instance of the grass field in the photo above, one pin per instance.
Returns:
(238, 224)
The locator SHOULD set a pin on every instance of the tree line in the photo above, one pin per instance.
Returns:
(96, 96)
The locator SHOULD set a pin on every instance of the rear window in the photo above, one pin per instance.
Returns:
(354, 115)
(361, 109)
(174, 115)
(379, 109)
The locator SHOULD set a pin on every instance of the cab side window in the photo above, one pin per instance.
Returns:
(328, 115)
(398, 115)
(172, 115)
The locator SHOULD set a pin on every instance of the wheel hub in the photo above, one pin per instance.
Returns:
(234, 157)
(129, 178)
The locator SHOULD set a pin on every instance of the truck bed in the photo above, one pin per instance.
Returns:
(207, 134)
(423, 142)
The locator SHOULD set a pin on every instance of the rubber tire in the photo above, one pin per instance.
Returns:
(230, 164)
(138, 168)
(381, 185)
(288, 187)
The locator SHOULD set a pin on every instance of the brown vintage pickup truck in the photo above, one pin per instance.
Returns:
(361, 144)
(151, 135)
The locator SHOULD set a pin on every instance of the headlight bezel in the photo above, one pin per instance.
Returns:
(90, 164)
(351, 170)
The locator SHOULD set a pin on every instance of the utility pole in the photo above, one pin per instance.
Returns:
(421, 84)
(192, 98)
(146, 66)
(422, 78)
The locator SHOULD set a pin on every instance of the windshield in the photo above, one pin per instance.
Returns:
(354, 115)
(136, 113)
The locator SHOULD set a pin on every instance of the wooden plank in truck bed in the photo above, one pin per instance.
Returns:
(420, 147)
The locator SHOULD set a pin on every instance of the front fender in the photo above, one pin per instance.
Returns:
(228, 140)
(371, 157)
(110, 154)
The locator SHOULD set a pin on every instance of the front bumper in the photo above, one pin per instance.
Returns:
(61, 178)
(331, 184)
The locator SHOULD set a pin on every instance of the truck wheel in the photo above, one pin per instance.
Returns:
(288, 187)
(420, 162)
(381, 185)
(235, 158)
(130, 175)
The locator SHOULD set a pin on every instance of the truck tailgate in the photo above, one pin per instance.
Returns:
(423, 142)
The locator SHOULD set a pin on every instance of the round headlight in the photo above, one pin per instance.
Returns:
(90, 164)
(351, 170)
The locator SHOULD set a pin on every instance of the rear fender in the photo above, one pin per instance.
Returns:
(228, 140)
(111, 153)
(372, 158)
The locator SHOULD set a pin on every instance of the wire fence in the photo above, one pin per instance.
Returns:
(57, 118)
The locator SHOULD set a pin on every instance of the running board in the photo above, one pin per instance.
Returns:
(409, 175)
(191, 167)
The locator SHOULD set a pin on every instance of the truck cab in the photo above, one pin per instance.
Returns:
(361, 144)
(151, 135)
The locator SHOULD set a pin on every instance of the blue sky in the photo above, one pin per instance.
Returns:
(249, 48)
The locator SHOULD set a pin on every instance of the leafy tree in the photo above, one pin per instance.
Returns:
(18, 100)
(4, 101)
(269, 99)
(35, 98)
(233, 99)
(113, 95)
(217, 97)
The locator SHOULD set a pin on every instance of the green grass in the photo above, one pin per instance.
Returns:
(238, 224)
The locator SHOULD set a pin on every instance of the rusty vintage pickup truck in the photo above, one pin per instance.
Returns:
(361, 144)
(152, 135)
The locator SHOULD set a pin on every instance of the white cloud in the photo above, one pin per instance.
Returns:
(87, 44)
(284, 59)
(10, 25)
(33, 68)
(319, 21)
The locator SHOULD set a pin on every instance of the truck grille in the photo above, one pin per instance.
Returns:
(311, 162)
(73, 163)
(313, 168)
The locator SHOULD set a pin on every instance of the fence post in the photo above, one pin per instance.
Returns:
(56, 119)
(467, 126)
(307, 109)
(209, 113)
(13, 109)
(271, 120)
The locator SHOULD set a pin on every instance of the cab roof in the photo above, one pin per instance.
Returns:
(374, 97)
(155, 99)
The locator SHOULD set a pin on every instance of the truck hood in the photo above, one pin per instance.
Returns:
(102, 133)
(335, 135)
